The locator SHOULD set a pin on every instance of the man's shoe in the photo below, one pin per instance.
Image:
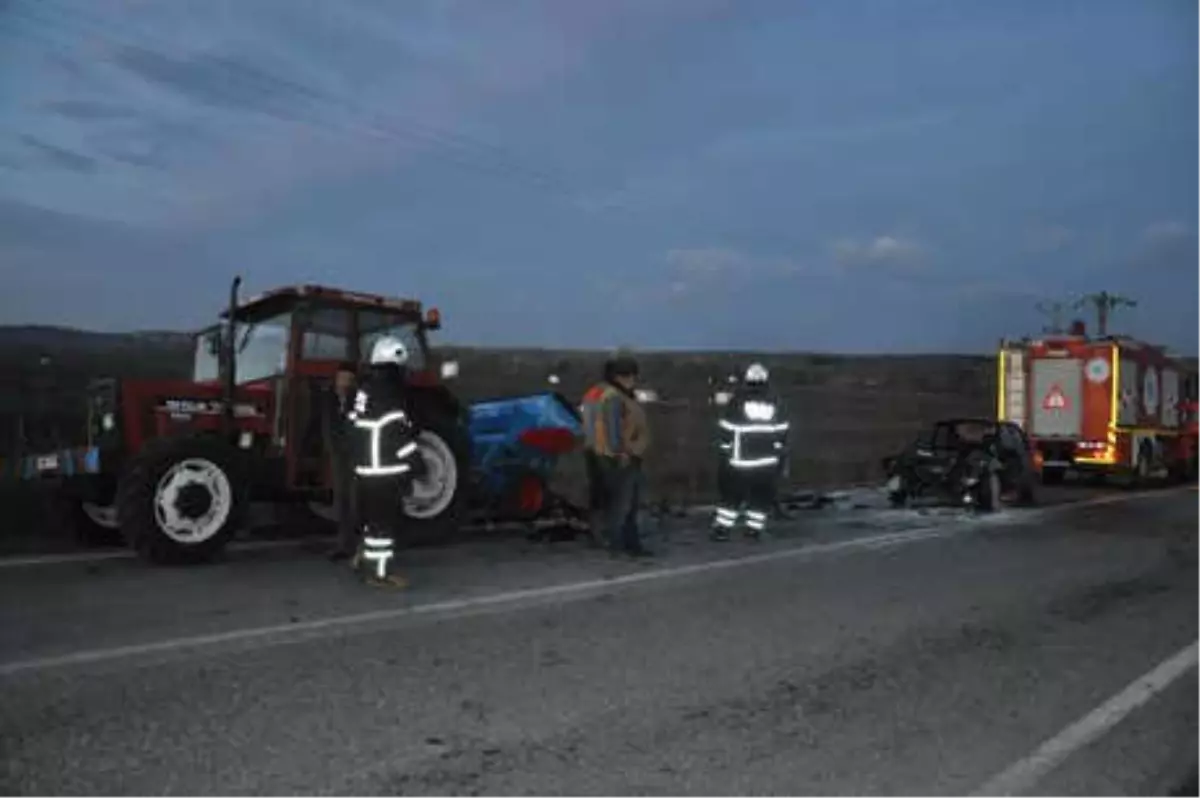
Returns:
(391, 581)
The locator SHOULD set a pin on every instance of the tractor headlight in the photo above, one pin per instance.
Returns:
(108, 422)
(449, 369)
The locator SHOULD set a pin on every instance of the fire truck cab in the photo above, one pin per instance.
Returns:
(1112, 405)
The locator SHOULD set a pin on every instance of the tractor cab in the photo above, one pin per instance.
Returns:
(287, 344)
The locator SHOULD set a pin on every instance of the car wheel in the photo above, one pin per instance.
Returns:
(1027, 492)
(1053, 476)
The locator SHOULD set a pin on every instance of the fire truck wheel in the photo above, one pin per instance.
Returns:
(181, 499)
(433, 510)
(1144, 465)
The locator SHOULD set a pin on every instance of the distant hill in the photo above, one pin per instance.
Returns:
(31, 338)
(48, 367)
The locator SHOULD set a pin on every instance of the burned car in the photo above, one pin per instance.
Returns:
(973, 462)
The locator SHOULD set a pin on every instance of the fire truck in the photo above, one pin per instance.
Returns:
(1109, 405)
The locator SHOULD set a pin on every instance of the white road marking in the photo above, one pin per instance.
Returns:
(279, 633)
(469, 606)
(265, 545)
(1023, 775)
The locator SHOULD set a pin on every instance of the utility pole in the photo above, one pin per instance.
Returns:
(1054, 312)
(1104, 303)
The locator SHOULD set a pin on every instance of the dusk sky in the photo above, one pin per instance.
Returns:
(835, 175)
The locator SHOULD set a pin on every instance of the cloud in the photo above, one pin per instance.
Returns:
(87, 110)
(279, 98)
(60, 157)
(225, 82)
(701, 273)
(1165, 231)
(708, 263)
(884, 250)
(991, 290)
(1050, 238)
(1167, 245)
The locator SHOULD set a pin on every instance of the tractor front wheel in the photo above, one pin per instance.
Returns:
(181, 499)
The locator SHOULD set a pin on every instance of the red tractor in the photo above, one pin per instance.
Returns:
(175, 464)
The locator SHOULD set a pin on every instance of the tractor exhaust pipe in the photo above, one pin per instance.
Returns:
(229, 360)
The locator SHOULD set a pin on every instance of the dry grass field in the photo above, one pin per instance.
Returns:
(847, 412)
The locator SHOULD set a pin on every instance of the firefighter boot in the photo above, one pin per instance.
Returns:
(756, 523)
(376, 553)
(724, 520)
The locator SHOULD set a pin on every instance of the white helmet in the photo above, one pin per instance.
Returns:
(389, 350)
(757, 374)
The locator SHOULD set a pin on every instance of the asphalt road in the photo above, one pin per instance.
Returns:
(859, 651)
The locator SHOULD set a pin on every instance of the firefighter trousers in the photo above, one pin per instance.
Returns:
(746, 499)
(379, 516)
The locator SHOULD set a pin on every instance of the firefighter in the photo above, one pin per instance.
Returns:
(752, 442)
(385, 458)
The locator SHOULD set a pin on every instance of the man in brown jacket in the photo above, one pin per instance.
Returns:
(619, 435)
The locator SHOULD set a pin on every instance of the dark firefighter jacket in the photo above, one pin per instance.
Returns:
(383, 431)
(753, 430)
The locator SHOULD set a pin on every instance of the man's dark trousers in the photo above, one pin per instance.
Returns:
(345, 488)
(622, 484)
(345, 494)
(597, 497)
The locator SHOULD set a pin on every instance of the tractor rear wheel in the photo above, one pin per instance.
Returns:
(435, 506)
(182, 499)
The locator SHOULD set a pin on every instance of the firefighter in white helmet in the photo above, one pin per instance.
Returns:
(386, 457)
(752, 442)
